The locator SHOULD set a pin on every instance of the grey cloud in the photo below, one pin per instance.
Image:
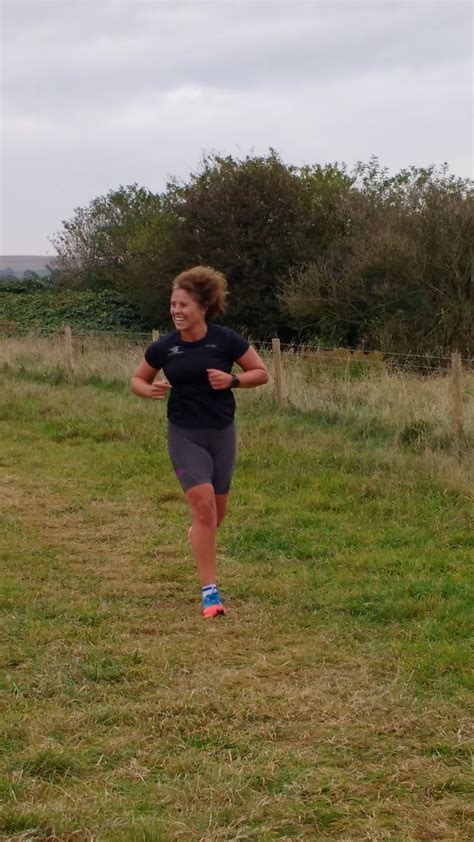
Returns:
(114, 52)
(107, 93)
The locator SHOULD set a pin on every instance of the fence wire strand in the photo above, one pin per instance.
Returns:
(313, 353)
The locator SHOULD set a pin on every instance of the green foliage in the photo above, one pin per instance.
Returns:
(121, 241)
(400, 276)
(359, 258)
(253, 219)
(84, 310)
(28, 285)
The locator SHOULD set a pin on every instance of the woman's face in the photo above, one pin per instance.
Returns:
(185, 310)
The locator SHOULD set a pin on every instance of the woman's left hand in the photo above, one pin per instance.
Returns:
(219, 379)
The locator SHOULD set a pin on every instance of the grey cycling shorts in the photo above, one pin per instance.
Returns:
(200, 456)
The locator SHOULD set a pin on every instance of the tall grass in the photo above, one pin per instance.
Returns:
(370, 398)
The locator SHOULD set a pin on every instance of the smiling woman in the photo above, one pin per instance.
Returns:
(207, 290)
(197, 360)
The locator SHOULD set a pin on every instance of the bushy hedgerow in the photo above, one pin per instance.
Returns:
(49, 311)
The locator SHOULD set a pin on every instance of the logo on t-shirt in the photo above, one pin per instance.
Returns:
(211, 346)
(176, 349)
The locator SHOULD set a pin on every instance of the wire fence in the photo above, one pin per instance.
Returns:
(302, 375)
(317, 354)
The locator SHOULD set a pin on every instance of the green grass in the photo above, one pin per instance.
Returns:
(333, 701)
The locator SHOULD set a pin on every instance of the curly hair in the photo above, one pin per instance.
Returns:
(207, 286)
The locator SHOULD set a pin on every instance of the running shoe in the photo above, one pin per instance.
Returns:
(212, 605)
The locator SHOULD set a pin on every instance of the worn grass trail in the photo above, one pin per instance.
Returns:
(332, 703)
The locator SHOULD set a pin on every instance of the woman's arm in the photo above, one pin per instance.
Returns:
(254, 372)
(142, 383)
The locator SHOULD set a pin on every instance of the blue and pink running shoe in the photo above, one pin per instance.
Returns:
(212, 605)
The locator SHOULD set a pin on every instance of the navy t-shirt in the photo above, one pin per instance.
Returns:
(192, 400)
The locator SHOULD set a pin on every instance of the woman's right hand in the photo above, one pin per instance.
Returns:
(159, 389)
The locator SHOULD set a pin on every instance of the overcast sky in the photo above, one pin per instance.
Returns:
(99, 93)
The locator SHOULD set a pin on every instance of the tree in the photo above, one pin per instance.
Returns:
(399, 276)
(121, 242)
(253, 219)
(442, 223)
(360, 258)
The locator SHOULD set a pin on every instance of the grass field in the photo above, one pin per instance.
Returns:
(333, 701)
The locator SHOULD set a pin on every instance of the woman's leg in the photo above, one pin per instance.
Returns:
(223, 452)
(202, 535)
(221, 507)
(203, 461)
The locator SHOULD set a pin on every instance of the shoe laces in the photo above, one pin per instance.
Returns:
(212, 598)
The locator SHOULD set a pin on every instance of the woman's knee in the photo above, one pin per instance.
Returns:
(203, 506)
(221, 507)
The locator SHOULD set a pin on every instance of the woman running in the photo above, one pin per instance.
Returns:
(196, 360)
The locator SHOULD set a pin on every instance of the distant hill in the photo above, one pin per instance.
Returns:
(17, 264)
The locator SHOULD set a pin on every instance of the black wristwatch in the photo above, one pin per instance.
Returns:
(235, 382)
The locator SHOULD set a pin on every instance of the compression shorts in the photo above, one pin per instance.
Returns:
(203, 456)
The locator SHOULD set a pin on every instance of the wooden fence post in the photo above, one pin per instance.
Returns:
(155, 334)
(277, 371)
(457, 398)
(69, 348)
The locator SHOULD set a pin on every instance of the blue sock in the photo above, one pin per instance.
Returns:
(208, 589)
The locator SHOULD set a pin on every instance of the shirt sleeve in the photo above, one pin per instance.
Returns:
(238, 345)
(154, 355)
